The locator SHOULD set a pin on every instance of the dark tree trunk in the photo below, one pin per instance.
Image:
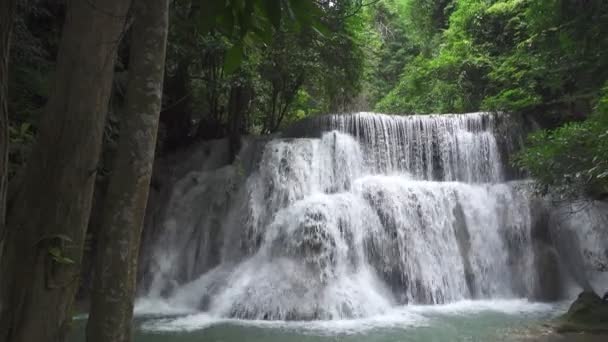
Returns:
(7, 10)
(125, 203)
(49, 214)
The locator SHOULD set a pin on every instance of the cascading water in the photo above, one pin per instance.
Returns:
(373, 212)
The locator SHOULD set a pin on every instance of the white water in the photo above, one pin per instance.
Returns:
(351, 225)
(402, 317)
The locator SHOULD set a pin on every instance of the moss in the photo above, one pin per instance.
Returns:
(589, 313)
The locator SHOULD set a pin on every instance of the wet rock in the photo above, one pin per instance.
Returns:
(549, 285)
(464, 246)
(589, 313)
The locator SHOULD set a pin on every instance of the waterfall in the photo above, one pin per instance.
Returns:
(444, 147)
(365, 212)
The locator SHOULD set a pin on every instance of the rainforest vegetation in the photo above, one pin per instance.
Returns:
(86, 85)
(545, 59)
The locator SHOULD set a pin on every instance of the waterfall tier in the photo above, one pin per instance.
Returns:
(370, 212)
(434, 147)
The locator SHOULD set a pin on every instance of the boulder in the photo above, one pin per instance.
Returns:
(588, 313)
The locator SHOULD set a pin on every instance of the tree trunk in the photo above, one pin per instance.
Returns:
(125, 204)
(7, 10)
(48, 218)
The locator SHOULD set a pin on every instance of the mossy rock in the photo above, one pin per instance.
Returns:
(588, 313)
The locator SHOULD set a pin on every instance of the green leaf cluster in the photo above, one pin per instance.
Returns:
(254, 22)
(544, 58)
(571, 160)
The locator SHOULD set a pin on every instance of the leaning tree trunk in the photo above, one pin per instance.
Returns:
(125, 203)
(7, 10)
(49, 214)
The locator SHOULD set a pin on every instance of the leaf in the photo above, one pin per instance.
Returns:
(55, 252)
(272, 9)
(263, 34)
(234, 57)
(321, 29)
(25, 127)
(66, 261)
(58, 257)
(306, 11)
(208, 18)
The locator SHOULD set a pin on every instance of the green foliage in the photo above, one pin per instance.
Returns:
(425, 21)
(544, 58)
(448, 75)
(573, 159)
(389, 48)
(254, 22)
(276, 61)
(289, 59)
(34, 42)
(57, 256)
(21, 139)
(55, 245)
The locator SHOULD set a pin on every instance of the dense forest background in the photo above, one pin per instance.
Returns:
(544, 59)
(253, 67)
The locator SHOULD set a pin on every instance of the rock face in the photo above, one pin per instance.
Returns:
(190, 195)
(550, 285)
(173, 175)
(589, 313)
(579, 235)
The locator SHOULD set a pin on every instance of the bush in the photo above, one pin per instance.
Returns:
(572, 159)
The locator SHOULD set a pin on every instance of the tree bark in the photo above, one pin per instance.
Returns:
(7, 10)
(48, 218)
(125, 204)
